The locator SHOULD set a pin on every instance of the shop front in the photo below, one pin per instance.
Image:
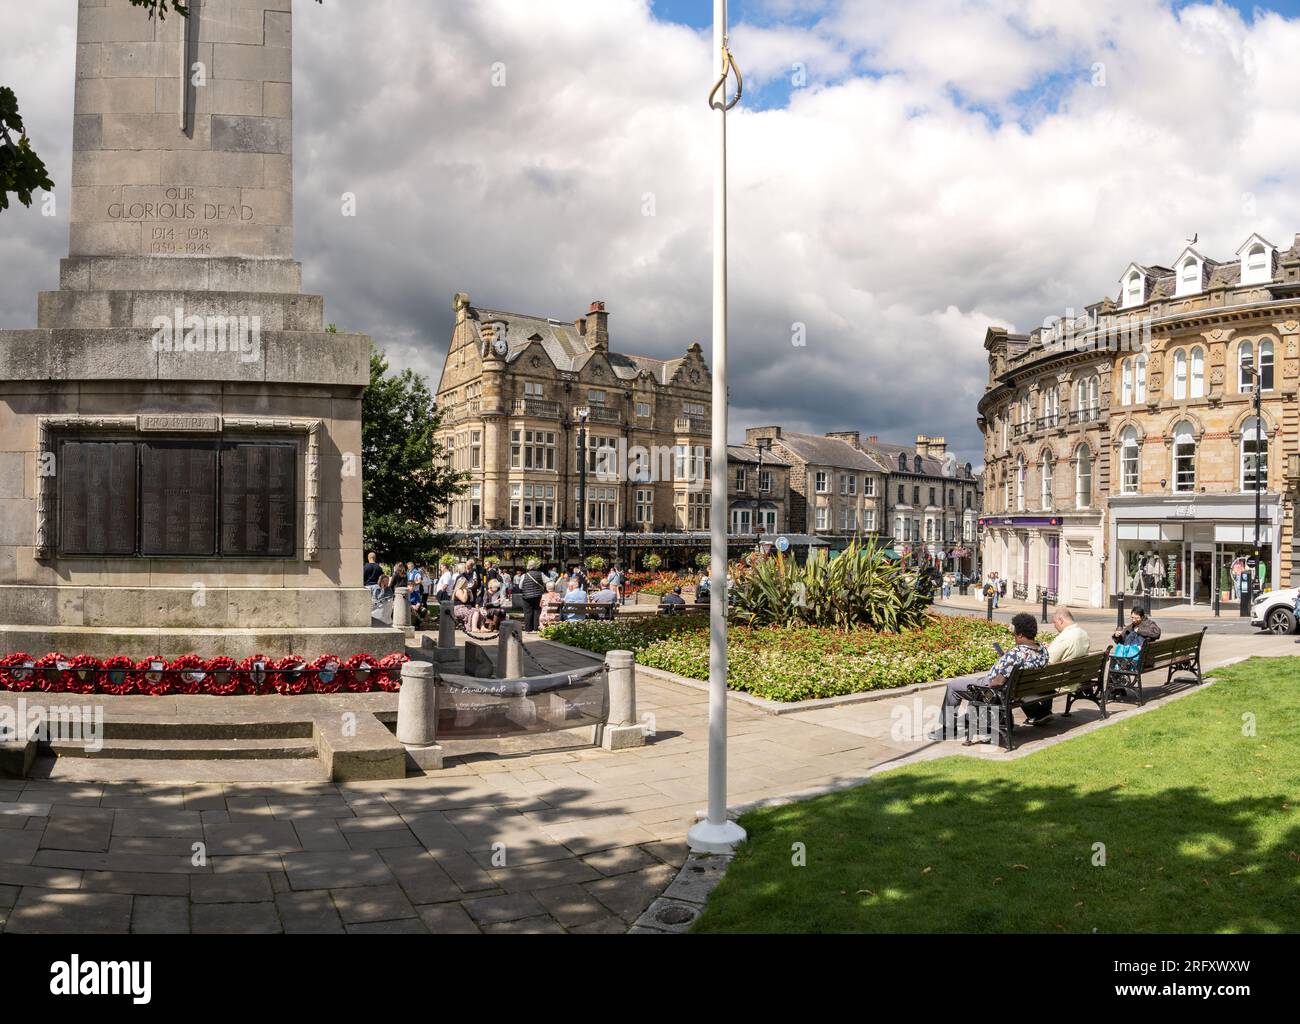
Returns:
(1174, 551)
(1059, 555)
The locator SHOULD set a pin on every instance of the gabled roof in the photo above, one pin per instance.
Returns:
(565, 346)
(1255, 238)
(816, 450)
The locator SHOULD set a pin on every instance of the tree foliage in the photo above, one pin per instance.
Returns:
(21, 170)
(406, 483)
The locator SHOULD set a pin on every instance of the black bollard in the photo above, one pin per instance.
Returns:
(1119, 618)
(990, 612)
(1045, 619)
(1218, 601)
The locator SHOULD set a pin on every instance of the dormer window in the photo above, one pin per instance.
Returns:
(1257, 257)
(1190, 270)
(1134, 288)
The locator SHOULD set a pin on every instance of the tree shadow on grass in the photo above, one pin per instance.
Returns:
(960, 854)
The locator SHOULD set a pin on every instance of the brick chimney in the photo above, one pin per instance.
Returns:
(851, 436)
(753, 434)
(597, 330)
(873, 439)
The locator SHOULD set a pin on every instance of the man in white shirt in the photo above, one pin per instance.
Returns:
(1071, 642)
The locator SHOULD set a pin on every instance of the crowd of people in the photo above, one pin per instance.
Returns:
(482, 594)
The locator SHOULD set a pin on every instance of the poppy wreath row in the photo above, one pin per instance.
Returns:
(191, 675)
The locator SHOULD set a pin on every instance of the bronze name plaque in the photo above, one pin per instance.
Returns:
(259, 500)
(97, 498)
(178, 495)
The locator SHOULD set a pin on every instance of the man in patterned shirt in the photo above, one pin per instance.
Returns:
(1027, 652)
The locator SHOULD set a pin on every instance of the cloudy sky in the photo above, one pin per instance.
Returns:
(904, 174)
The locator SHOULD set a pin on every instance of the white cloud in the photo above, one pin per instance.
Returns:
(893, 221)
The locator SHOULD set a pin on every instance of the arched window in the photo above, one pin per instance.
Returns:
(902, 459)
(1020, 483)
(1190, 278)
(1184, 458)
(1266, 366)
(1133, 289)
(1126, 387)
(1245, 363)
(1094, 393)
(1128, 462)
(1046, 469)
(1140, 379)
(917, 463)
(1083, 477)
(1198, 372)
(1180, 375)
(1254, 456)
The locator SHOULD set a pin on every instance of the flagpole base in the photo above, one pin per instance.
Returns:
(706, 837)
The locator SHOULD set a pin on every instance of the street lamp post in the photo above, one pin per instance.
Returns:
(762, 445)
(582, 485)
(1248, 595)
(718, 834)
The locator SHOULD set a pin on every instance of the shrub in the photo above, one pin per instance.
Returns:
(702, 560)
(860, 587)
(595, 563)
(623, 634)
(652, 562)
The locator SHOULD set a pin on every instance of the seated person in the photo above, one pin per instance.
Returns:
(1071, 642)
(574, 596)
(463, 608)
(551, 603)
(606, 594)
(493, 612)
(671, 602)
(1142, 628)
(419, 612)
(1027, 652)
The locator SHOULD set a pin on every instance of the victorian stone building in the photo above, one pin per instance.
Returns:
(1122, 449)
(759, 491)
(520, 392)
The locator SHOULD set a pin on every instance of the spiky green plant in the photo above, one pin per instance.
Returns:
(860, 587)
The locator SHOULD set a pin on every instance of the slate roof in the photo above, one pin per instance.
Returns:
(889, 454)
(749, 454)
(816, 450)
(566, 348)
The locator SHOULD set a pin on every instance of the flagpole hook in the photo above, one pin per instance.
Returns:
(728, 66)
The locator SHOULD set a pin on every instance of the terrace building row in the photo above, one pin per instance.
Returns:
(520, 394)
(1122, 447)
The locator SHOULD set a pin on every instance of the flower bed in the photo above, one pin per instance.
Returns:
(801, 663)
(190, 675)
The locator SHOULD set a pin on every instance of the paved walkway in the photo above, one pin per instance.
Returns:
(577, 840)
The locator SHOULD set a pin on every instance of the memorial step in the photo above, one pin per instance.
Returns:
(179, 771)
(199, 731)
(189, 750)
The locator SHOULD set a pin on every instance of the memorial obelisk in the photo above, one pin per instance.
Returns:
(180, 437)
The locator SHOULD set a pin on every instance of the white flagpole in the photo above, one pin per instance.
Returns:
(716, 834)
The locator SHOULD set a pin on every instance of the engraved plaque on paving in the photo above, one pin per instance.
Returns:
(178, 491)
(259, 500)
(96, 498)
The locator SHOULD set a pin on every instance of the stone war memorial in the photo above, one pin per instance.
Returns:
(180, 436)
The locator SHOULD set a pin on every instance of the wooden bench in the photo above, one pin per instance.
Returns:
(594, 611)
(1175, 653)
(1077, 679)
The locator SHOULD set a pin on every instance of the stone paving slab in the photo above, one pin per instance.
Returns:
(591, 841)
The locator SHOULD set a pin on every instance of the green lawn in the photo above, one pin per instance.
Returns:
(1201, 826)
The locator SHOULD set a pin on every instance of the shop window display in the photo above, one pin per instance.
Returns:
(1155, 570)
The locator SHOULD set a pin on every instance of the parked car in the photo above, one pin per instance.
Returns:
(1275, 611)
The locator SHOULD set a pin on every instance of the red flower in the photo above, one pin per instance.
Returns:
(254, 674)
(289, 679)
(189, 675)
(390, 672)
(18, 673)
(118, 677)
(152, 677)
(54, 671)
(360, 670)
(327, 674)
(223, 678)
(83, 674)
